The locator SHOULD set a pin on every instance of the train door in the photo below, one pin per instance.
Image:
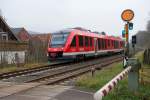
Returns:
(95, 45)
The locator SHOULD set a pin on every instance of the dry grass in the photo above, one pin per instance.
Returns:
(13, 67)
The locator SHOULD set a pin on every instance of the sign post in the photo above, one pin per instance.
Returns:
(127, 15)
(133, 76)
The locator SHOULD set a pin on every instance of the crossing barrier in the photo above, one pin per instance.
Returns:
(111, 84)
(133, 79)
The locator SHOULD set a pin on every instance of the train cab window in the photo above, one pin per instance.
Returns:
(91, 43)
(73, 43)
(81, 41)
(86, 41)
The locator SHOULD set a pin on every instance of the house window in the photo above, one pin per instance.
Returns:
(4, 37)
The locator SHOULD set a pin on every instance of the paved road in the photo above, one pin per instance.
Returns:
(45, 92)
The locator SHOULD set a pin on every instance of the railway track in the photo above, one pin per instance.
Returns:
(66, 72)
(30, 70)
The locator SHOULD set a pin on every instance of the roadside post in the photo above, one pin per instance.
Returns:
(133, 75)
(93, 71)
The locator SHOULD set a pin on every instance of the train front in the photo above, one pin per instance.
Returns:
(57, 45)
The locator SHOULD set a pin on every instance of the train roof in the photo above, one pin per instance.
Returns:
(63, 31)
(86, 32)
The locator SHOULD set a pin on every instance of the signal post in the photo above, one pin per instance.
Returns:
(133, 75)
(127, 15)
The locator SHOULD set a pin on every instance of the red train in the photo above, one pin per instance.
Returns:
(79, 43)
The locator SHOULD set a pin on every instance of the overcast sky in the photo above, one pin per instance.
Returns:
(97, 15)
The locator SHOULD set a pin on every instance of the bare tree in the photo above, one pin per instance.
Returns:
(143, 37)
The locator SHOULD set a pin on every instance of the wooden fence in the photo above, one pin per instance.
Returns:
(34, 51)
(37, 51)
(13, 46)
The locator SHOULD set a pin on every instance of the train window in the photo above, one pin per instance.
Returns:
(73, 43)
(121, 44)
(81, 41)
(103, 43)
(86, 41)
(99, 44)
(117, 44)
(108, 43)
(91, 43)
(112, 43)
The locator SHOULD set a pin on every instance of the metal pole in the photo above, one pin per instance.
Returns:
(127, 39)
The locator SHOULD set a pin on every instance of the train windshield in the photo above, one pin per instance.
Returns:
(59, 39)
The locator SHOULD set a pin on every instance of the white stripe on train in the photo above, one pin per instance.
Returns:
(91, 52)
